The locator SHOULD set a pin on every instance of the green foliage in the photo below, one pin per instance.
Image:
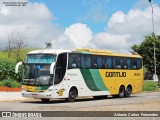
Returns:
(7, 70)
(7, 65)
(10, 83)
(149, 86)
(146, 50)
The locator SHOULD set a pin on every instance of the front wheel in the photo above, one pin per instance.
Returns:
(72, 95)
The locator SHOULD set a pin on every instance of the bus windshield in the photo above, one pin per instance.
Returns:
(40, 58)
(37, 74)
(36, 70)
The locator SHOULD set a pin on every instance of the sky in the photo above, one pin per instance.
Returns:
(114, 25)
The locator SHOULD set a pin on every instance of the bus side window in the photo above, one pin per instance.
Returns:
(139, 63)
(85, 61)
(74, 61)
(104, 62)
(134, 64)
(117, 62)
(124, 63)
(109, 62)
(99, 61)
(129, 63)
(88, 61)
(82, 61)
(94, 62)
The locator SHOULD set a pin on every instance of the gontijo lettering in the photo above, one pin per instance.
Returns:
(115, 74)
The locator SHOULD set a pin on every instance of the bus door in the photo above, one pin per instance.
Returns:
(60, 68)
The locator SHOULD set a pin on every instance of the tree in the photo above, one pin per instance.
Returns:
(9, 46)
(146, 50)
(19, 43)
(16, 42)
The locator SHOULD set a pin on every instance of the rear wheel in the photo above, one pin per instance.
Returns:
(121, 92)
(128, 91)
(72, 95)
(45, 100)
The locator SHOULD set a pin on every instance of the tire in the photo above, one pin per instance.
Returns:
(121, 92)
(45, 100)
(128, 92)
(72, 95)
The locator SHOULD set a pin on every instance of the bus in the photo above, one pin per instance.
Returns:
(68, 74)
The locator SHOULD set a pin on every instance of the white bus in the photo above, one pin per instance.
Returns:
(69, 74)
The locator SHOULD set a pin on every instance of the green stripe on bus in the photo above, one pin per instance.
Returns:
(89, 80)
(98, 79)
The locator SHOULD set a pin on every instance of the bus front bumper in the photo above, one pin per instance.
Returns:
(37, 95)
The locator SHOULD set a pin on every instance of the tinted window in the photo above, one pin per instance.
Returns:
(99, 61)
(85, 61)
(134, 63)
(109, 62)
(124, 63)
(129, 63)
(40, 58)
(74, 61)
(94, 62)
(117, 62)
(139, 63)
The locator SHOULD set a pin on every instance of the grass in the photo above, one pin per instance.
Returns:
(10, 83)
(23, 52)
(149, 85)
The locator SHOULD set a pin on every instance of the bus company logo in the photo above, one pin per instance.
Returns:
(6, 114)
(115, 74)
(60, 92)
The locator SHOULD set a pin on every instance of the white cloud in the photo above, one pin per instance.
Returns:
(79, 33)
(109, 41)
(63, 42)
(5, 11)
(124, 30)
(34, 20)
(117, 18)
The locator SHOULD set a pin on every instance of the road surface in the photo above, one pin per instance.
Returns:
(137, 102)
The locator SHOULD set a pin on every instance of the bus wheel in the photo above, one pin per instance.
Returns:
(72, 95)
(128, 91)
(121, 92)
(45, 100)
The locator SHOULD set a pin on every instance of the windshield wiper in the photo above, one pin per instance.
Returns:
(28, 81)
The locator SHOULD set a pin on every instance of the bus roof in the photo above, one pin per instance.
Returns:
(104, 52)
(48, 51)
(83, 51)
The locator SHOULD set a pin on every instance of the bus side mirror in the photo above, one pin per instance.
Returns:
(17, 66)
(52, 67)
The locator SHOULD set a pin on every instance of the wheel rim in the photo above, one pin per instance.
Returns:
(121, 92)
(128, 91)
(72, 94)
